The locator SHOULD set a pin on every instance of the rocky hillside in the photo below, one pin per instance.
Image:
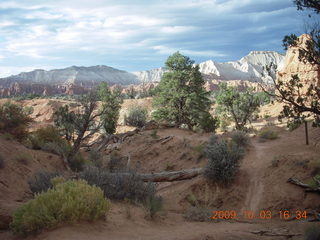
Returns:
(248, 68)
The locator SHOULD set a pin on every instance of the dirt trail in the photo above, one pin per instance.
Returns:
(254, 164)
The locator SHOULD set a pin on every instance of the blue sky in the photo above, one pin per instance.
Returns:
(138, 35)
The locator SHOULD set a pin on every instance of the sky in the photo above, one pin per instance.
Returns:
(137, 35)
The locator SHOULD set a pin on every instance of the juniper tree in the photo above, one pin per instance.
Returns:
(180, 98)
(239, 106)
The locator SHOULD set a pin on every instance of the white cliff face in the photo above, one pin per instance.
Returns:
(249, 68)
(153, 75)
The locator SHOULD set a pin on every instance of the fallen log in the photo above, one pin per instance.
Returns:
(161, 176)
(296, 182)
(171, 176)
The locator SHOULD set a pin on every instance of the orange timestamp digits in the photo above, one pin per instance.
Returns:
(263, 214)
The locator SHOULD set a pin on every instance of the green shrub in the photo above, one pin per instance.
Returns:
(136, 117)
(154, 134)
(223, 160)
(267, 134)
(13, 120)
(43, 136)
(77, 162)
(116, 163)
(293, 125)
(312, 233)
(153, 205)
(24, 158)
(240, 138)
(207, 123)
(67, 201)
(1, 161)
(199, 151)
(96, 158)
(198, 214)
(117, 186)
(41, 181)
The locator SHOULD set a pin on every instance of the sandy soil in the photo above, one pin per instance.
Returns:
(260, 185)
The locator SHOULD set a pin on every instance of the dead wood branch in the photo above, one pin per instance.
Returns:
(308, 188)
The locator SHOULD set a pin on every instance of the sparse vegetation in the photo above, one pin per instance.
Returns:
(43, 136)
(198, 214)
(119, 186)
(153, 204)
(67, 201)
(223, 160)
(312, 233)
(154, 134)
(240, 138)
(96, 158)
(199, 151)
(24, 158)
(13, 120)
(2, 164)
(267, 134)
(41, 181)
(137, 116)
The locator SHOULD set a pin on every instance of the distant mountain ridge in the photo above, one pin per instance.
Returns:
(77, 80)
(248, 68)
(84, 76)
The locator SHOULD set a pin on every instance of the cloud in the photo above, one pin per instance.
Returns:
(139, 34)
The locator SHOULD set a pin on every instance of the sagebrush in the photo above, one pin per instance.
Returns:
(119, 186)
(68, 201)
(223, 160)
(137, 116)
(41, 181)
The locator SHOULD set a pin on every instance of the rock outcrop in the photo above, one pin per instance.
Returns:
(307, 73)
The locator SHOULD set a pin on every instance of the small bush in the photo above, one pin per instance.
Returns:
(96, 158)
(154, 134)
(199, 151)
(43, 136)
(41, 181)
(119, 186)
(1, 161)
(240, 138)
(67, 201)
(13, 120)
(312, 233)
(267, 134)
(136, 117)
(24, 158)
(153, 205)
(293, 125)
(198, 214)
(208, 123)
(223, 160)
(314, 183)
(77, 163)
(116, 163)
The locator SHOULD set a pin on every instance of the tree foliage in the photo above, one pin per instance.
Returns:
(14, 120)
(82, 123)
(301, 102)
(111, 105)
(239, 106)
(180, 98)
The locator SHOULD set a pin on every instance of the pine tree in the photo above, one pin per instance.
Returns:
(180, 98)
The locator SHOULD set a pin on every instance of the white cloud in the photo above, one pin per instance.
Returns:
(169, 50)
